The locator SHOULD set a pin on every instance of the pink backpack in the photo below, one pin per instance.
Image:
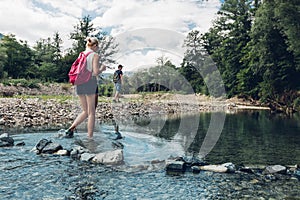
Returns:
(78, 73)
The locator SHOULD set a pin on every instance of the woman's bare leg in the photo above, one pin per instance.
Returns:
(91, 114)
(84, 114)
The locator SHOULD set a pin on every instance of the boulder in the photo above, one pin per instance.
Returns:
(214, 168)
(20, 144)
(6, 140)
(62, 152)
(297, 174)
(247, 170)
(87, 157)
(193, 160)
(41, 145)
(110, 157)
(77, 151)
(51, 148)
(173, 166)
(195, 169)
(230, 166)
(4, 135)
(275, 169)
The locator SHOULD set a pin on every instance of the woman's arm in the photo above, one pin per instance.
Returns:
(95, 64)
(96, 69)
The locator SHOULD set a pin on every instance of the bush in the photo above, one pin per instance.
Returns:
(33, 83)
(106, 90)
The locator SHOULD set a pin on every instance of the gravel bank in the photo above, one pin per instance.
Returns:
(39, 113)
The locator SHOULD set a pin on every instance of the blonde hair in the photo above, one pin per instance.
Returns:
(91, 41)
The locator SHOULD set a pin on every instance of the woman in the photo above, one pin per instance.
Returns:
(88, 92)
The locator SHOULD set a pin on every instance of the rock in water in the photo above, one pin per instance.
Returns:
(87, 157)
(215, 168)
(173, 166)
(230, 166)
(62, 152)
(41, 144)
(6, 140)
(51, 148)
(275, 169)
(110, 157)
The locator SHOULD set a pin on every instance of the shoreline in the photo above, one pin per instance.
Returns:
(23, 108)
(27, 113)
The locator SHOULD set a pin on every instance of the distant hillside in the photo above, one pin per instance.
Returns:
(1, 35)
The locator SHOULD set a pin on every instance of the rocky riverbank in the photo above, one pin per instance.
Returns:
(37, 112)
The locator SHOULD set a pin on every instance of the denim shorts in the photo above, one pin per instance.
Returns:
(118, 87)
(88, 88)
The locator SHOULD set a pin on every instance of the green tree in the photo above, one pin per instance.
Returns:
(48, 59)
(85, 28)
(272, 57)
(226, 41)
(287, 14)
(3, 58)
(192, 62)
(81, 31)
(18, 57)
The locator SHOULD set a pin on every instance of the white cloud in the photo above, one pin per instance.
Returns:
(31, 20)
(169, 14)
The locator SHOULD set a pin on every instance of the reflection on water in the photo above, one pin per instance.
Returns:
(252, 137)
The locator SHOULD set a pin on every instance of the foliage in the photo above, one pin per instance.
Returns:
(17, 57)
(106, 90)
(198, 68)
(107, 46)
(255, 45)
(226, 41)
(271, 55)
(46, 61)
(32, 83)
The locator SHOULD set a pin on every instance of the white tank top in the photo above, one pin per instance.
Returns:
(90, 59)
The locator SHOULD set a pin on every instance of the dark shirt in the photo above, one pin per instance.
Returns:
(120, 73)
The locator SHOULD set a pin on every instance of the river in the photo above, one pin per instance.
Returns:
(250, 138)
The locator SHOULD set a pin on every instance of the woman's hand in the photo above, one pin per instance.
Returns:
(102, 68)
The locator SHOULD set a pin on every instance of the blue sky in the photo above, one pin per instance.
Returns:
(32, 20)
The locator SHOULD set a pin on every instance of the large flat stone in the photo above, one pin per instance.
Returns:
(115, 157)
(214, 168)
(275, 169)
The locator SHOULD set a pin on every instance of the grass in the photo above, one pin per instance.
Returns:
(59, 98)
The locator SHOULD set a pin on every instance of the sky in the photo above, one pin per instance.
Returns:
(144, 29)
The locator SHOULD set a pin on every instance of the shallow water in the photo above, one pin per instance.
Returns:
(248, 137)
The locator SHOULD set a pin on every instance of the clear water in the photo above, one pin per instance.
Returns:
(252, 137)
(245, 138)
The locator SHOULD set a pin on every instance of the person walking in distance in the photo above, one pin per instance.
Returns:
(118, 81)
(88, 92)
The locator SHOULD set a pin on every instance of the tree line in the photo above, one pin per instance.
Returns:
(255, 46)
(253, 43)
(46, 60)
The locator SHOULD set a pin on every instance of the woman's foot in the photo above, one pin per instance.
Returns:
(69, 133)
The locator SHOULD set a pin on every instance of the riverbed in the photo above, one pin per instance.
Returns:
(249, 138)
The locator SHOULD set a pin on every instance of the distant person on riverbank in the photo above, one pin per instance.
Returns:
(118, 81)
(88, 92)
